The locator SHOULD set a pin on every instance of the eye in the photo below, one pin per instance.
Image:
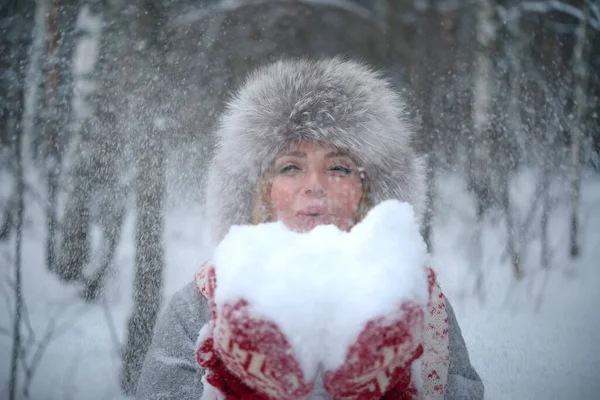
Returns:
(342, 169)
(288, 169)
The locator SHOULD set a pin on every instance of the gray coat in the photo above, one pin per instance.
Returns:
(170, 371)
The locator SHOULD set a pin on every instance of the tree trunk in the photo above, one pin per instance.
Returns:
(34, 80)
(479, 151)
(150, 192)
(580, 81)
(545, 245)
(22, 18)
(94, 285)
(515, 134)
(423, 73)
(510, 230)
(75, 246)
(149, 258)
(515, 52)
(60, 22)
(18, 220)
(53, 150)
(16, 20)
(427, 226)
(478, 143)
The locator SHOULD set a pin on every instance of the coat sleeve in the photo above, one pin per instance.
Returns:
(464, 382)
(170, 370)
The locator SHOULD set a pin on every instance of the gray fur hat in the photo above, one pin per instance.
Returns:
(341, 103)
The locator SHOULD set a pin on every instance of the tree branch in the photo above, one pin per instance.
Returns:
(548, 6)
(198, 13)
(594, 8)
(28, 325)
(112, 329)
(53, 330)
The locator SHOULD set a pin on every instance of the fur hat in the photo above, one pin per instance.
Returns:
(344, 104)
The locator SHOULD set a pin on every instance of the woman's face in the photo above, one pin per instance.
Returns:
(315, 185)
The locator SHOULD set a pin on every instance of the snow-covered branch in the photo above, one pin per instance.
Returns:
(199, 13)
(547, 6)
(344, 5)
(594, 8)
(31, 357)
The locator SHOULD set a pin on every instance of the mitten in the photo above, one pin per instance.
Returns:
(217, 375)
(379, 361)
(252, 349)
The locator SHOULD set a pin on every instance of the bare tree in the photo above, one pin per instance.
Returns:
(95, 193)
(75, 244)
(31, 345)
(580, 83)
(18, 210)
(18, 220)
(19, 17)
(513, 132)
(479, 151)
(16, 19)
(547, 131)
(423, 72)
(479, 141)
(59, 24)
(588, 19)
(150, 193)
(53, 150)
(103, 133)
(112, 232)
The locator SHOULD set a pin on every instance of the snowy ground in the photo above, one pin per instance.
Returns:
(538, 338)
(535, 339)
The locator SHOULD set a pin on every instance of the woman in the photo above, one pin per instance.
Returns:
(307, 143)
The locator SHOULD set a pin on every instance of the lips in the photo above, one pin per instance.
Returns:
(313, 216)
(314, 211)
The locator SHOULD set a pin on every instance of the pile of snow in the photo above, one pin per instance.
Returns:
(322, 287)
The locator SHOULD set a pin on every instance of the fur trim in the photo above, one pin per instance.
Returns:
(340, 103)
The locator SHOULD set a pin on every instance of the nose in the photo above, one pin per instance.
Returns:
(314, 184)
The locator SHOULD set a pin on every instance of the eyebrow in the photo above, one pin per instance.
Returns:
(302, 154)
(335, 154)
(299, 153)
(296, 153)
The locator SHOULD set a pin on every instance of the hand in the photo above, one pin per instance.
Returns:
(252, 350)
(381, 357)
(378, 364)
(217, 375)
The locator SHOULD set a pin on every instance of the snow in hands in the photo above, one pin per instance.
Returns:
(321, 292)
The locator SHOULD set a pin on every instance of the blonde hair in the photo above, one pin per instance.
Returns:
(261, 207)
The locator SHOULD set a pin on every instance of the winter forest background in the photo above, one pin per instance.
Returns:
(107, 110)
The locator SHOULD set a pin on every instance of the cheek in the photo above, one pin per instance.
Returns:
(347, 197)
(281, 196)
